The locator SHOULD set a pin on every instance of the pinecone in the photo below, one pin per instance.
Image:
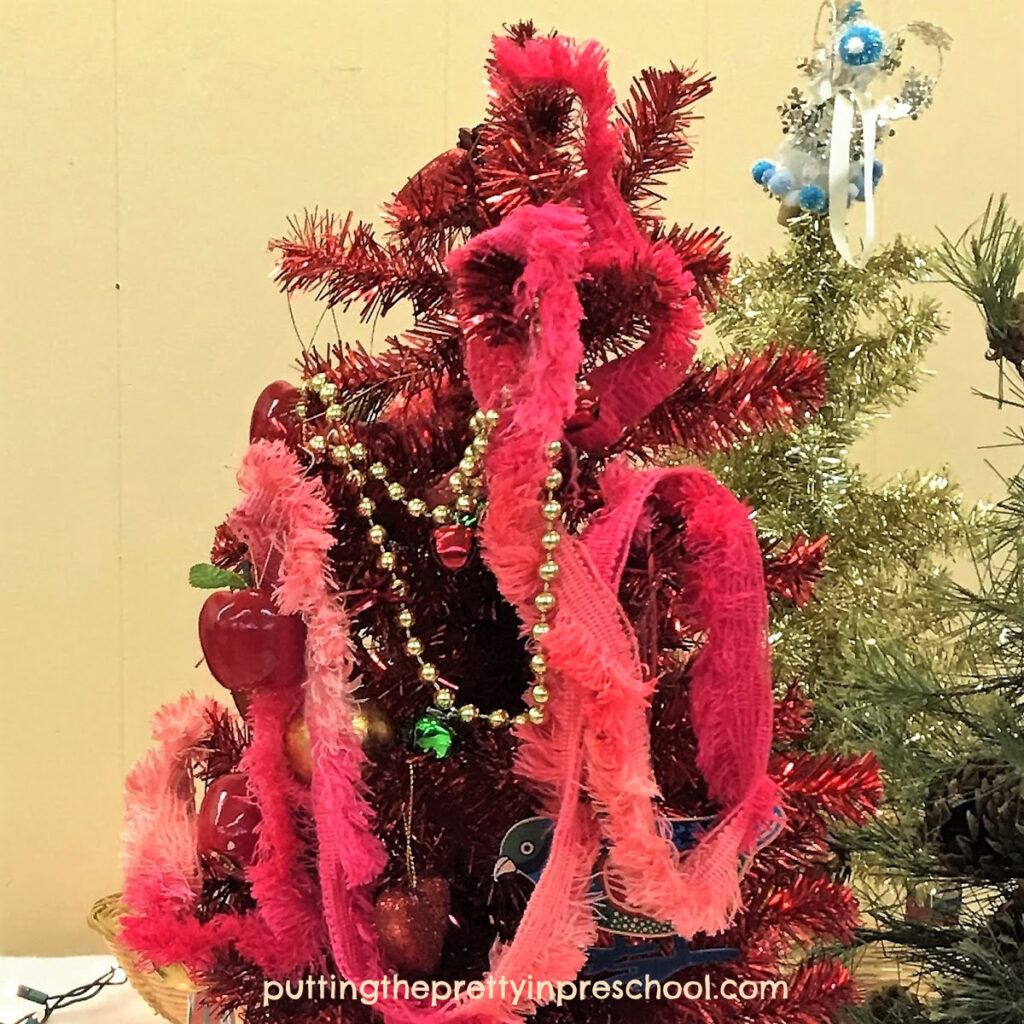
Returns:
(894, 1005)
(1008, 342)
(1004, 933)
(976, 821)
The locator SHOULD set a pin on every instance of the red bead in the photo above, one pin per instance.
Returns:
(588, 408)
(453, 544)
(248, 645)
(226, 826)
(273, 415)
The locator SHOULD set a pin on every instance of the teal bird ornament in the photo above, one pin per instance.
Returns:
(524, 850)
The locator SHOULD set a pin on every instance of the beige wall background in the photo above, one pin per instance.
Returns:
(149, 150)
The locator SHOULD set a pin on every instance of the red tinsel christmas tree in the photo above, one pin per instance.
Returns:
(430, 533)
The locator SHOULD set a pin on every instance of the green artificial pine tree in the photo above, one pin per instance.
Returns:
(886, 542)
(954, 826)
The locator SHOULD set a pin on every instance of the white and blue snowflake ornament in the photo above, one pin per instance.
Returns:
(833, 125)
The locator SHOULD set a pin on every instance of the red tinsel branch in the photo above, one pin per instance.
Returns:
(794, 573)
(702, 253)
(421, 359)
(792, 716)
(718, 406)
(339, 264)
(837, 785)
(656, 117)
(815, 993)
(805, 908)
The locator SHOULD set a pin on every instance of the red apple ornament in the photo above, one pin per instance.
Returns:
(248, 645)
(227, 825)
(412, 924)
(273, 415)
(453, 544)
(588, 408)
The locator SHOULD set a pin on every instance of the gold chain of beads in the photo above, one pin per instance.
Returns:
(466, 484)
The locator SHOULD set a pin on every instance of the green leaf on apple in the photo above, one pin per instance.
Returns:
(209, 577)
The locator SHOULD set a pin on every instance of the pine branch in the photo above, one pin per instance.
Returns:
(656, 117)
(986, 264)
(718, 406)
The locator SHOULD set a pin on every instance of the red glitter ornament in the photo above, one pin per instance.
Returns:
(248, 645)
(226, 826)
(273, 415)
(453, 545)
(412, 923)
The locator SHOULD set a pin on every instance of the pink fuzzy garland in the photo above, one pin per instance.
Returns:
(163, 876)
(286, 512)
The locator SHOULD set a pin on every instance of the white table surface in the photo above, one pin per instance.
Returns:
(118, 1004)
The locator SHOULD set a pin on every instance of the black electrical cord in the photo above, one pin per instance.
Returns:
(51, 1004)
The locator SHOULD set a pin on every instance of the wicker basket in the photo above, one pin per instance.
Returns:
(165, 990)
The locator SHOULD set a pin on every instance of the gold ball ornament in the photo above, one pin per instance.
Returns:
(373, 728)
(298, 748)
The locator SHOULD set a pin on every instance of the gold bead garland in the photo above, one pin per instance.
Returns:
(466, 484)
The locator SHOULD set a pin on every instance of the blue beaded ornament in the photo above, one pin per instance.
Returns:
(861, 45)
